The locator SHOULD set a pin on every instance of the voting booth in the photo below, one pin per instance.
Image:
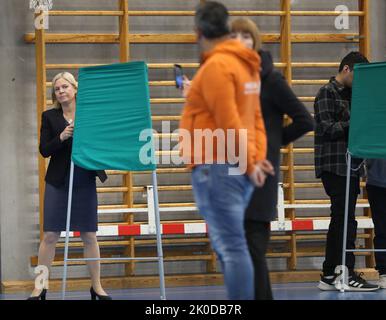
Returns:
(367, 134)
(112, 117)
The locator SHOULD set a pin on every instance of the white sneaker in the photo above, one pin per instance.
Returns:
(382, 281)
(327, 283)
(356, 283)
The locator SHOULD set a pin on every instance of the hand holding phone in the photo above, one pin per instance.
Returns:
(67, 132)
(186, 84)
(178, 75)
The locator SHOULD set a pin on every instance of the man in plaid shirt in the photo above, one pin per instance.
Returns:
(332, 117)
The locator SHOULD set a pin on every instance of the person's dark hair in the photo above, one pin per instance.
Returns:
(211, 19)
(352, 58)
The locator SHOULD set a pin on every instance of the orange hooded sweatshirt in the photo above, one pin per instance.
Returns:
(224, 94)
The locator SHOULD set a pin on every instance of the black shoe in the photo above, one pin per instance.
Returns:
(41, 296)
(94, 295)
(357, 283)
(327, 282)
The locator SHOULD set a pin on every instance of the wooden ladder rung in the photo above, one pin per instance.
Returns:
(322, 254)
(187, 170)
(165, 118)
(168, 205)
(298, 168)
(152, 101)
(182, 100)
(320, 201)
(299, 185)
(309, 82)
(112, 189)
(172, 241)
(307, 99)
(66, 66)
(167, 83)
(112, 206)
(201, 257)
(167, 100)
(302, 185)
(116, 243)
(158, 13)
(164, 188)
(191, 13)
(85, 13)
(185, 38)
(284, 151)
(158, 170)
(298, 150)
(323, 236)
(326, 13)
(278, 254)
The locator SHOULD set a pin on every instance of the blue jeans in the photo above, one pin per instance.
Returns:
(222, 200)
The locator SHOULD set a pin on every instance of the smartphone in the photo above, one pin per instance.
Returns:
(178, 75)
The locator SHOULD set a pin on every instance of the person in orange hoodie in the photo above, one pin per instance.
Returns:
(223, 140)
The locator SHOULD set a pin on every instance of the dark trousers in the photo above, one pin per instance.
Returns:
(335, 187)
(377, 200)
(257, 234)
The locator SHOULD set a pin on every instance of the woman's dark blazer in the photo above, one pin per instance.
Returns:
(52, 125)
(277, 99)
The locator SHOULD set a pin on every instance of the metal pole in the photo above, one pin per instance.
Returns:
(67, 230)
(280, 208)
(159, 239)
(348, 173)
(151, 210)
(115, 259)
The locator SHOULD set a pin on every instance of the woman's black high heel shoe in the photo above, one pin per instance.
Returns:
(41, 296)
(94, 295)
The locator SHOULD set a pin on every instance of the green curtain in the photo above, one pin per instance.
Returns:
(112, 111)
(367, 136)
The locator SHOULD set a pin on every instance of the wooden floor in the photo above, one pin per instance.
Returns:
(171, 281)
(287, 291)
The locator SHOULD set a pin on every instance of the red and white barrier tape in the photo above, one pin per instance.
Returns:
(201, 228)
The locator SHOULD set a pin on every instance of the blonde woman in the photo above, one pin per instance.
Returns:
(57, 127)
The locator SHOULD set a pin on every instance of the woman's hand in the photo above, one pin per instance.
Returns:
(67, 132)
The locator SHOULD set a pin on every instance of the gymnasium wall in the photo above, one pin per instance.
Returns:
(19, 230)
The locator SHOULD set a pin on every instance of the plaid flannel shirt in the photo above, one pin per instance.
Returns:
(332, 116)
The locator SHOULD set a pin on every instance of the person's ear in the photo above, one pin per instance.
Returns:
(198, 33)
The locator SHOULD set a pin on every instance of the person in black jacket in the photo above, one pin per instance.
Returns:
(332, 117)
(56, 132)
(277, 99)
